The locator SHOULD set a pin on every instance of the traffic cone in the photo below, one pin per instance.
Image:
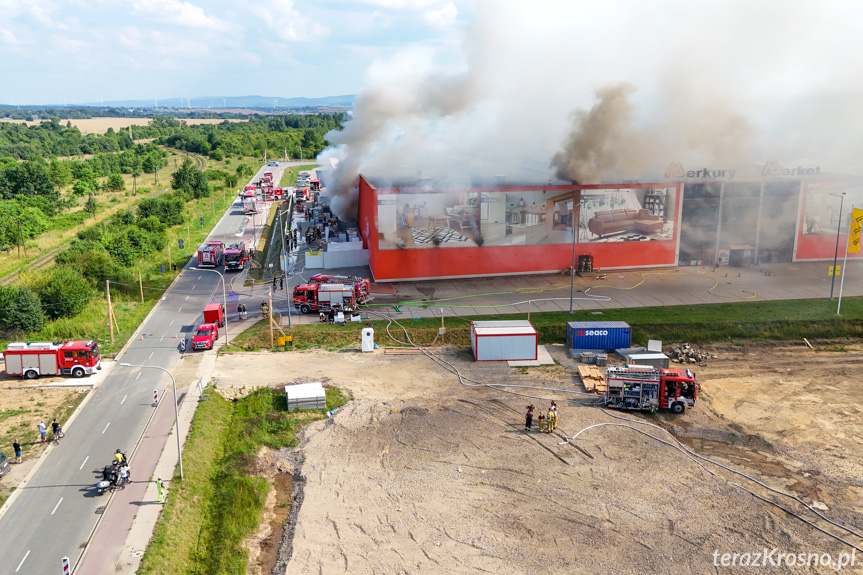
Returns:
(175, 336)
(142, 338)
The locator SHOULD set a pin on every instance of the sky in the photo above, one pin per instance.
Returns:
(581, 90)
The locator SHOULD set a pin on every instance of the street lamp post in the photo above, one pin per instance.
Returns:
(224, 298)
(285, 258)
(176, 413)
(838, 229)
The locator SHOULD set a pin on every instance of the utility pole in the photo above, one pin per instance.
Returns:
(141, 285)
(285, 271)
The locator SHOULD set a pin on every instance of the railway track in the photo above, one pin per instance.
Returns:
(200, 161)
(37, 264)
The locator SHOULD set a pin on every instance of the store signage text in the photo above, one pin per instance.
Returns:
(776, 169)
(675, 171)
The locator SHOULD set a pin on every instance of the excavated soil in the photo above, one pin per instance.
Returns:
(422, 474)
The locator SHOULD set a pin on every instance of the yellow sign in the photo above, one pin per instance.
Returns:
(854, 236)
(834, 270)
(284, 340)
(313, 253)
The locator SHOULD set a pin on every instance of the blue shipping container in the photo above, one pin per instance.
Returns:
(598, 335)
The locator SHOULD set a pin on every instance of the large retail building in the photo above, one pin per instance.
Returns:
(692, 218)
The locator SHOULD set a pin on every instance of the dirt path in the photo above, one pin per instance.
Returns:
(424, 475)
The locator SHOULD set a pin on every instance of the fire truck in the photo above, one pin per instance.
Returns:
(236, 256)
(250, 205)
(271, 194)
(210, 254)
(324, 297)
(362, 286)
(31, 359)
(648, 388)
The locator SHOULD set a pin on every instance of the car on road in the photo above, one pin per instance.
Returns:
(205, 336)
(273, 164)
(4, 464)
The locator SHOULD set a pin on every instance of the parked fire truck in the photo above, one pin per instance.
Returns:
(236, 256)
(271, 194)
(324, 297)
(210, 254)
(648, 388)
(31, 359)
(250, 204)
(362, 286)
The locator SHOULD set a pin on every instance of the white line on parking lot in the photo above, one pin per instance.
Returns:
(83, 464)
(106, 428)
(22, 561)
(123, 400)
(56, 506)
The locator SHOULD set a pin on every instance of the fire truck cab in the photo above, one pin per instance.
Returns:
(645, 387)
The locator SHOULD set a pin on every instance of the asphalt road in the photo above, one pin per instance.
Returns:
(54, 515)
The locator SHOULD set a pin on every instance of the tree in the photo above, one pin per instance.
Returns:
(66, 293)
(231, 180)
(29, 178)
(24, 312)
(80, 188)
(60, 173)
(190, 181)
(167, 209)
(91, 258)
(91, 205)
(115, 183)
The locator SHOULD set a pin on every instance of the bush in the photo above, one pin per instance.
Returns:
(66, 294)
(167, 209)
(23, 312)
(91, 258)
(115, 183)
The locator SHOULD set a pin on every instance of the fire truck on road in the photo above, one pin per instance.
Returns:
(236, 256)
(30, 359)
(362, 286)
(648, 388)
(210, 254)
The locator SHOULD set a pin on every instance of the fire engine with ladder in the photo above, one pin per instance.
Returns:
(645, 387)
(361, 286)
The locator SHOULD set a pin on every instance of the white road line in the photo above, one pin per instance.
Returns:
(106, 428)
(124, 399)
(172, 322)
(83, 464)
(137, 377)
(199, 277)
(193, 287)
(161, 338)
(179, 309)
(151, 355)
(22, 561)
(56, 506)
(187, 298)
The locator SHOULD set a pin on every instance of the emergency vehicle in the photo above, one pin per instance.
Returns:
(648, 388)
(30, 359)
(205, 336)
(236, 256)
(210, 254)
(362, 286)
(324, 297)
(250, 204)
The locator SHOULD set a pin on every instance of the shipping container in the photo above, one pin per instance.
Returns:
(306, 396)
(597, 335)
(657, 360)
(513, 340)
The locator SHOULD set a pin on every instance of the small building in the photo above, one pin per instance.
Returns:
(306, 396)
(508, 340)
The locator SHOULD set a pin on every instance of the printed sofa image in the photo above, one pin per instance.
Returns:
(613, 221)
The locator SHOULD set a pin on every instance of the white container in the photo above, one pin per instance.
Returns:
(368, 339)
(306, 396)
(512, 340)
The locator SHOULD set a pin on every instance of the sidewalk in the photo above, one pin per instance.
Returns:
(123, 533)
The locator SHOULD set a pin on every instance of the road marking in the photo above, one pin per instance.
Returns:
(179, 309)
(138, 376)
(187, 298)
(23, 560)
(172, 322)
(161, 338)
(56, 506)
(199, 277)
(106, 428)
(151, 355)
(83, 464)
(124, 399)
(193, 287)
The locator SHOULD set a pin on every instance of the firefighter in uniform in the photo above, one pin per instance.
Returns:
(541, 422)
(551, 420)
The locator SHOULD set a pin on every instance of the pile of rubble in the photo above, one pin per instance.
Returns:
(685, 353)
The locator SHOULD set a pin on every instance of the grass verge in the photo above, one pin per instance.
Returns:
(219, 503)
(756, 321)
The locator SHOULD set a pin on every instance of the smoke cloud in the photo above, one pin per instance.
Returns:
(605, 92)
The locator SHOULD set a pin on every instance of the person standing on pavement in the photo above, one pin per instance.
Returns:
(42, 430)
(281, 282)
(245, 312)
(240, 311)
(274, 282)
(16, 447)
(55, 428)
(528, 418)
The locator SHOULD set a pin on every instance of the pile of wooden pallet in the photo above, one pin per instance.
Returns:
(592, 378)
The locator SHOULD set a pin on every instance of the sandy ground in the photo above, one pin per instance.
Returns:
(423, 475)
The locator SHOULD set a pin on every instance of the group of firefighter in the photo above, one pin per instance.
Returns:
(547, 422)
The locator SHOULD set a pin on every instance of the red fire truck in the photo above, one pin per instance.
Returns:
(324, 297)
(236, 256)
(210, 254)
(250, 204)
(362, 286)
(30, 359)
(648, 388)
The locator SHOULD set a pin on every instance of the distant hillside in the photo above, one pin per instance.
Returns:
(254, 102)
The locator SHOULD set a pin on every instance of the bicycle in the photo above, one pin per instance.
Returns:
(57, 437)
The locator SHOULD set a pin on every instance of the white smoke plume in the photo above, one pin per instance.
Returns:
(608, 91)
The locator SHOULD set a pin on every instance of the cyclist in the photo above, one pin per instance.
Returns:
(57, 430)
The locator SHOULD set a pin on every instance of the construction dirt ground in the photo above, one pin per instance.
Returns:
(423, 474)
